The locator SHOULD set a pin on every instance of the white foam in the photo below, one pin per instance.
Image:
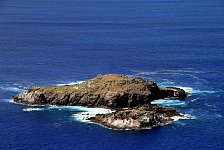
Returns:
(33, 109)
(168, 102)
(92, 112)
(79, 108)
(13, 89)
(183, 116)
(72, 108)
(83, 117)
(81, 113)
(8, 100)
(196, 91)
(71, 83)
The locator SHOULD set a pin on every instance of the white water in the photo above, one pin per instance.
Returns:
(169, 102)
(12, 89)
(196, 91)
(66, 108)
(81, 113)
(183, 116)
(71, 83)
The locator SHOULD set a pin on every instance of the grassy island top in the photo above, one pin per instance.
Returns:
(103, 83)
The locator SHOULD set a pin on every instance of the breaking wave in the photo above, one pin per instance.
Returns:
(84, 116)
(183, 117)
(80, 113)
(71, 83)
(169, 102)
(197, 91)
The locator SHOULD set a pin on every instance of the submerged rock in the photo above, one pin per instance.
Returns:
(108, 91)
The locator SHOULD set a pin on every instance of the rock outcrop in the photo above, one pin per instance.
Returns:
(107, 91)
(130, 97)
(140, 117)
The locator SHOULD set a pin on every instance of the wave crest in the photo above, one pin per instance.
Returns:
(71, 83)
(169, 102)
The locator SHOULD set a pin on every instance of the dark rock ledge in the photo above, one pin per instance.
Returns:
(130, 97)
(140, 117)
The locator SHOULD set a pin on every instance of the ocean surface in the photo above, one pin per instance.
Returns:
(51, 42)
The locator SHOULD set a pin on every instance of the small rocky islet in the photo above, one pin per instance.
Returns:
(130, 97)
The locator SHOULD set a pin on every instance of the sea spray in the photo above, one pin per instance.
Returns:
(81, 113)
(169, 102)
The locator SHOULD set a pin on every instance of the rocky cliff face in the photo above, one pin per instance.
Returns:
(108, 91)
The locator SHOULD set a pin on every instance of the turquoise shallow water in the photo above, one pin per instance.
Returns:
(175, 43)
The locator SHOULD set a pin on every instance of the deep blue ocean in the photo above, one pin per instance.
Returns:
(50, 42)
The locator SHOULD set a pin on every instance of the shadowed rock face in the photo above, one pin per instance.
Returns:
(140, 117)
(108, 91)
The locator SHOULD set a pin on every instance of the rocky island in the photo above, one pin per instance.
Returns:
(130, 97)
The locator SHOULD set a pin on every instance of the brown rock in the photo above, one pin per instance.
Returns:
(110, 91)
(141, 117)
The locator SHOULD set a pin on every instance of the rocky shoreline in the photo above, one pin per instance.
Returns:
(140, 117)
(130, 97)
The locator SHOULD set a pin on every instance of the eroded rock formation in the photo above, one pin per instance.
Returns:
(140, 117)
(108, 91)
